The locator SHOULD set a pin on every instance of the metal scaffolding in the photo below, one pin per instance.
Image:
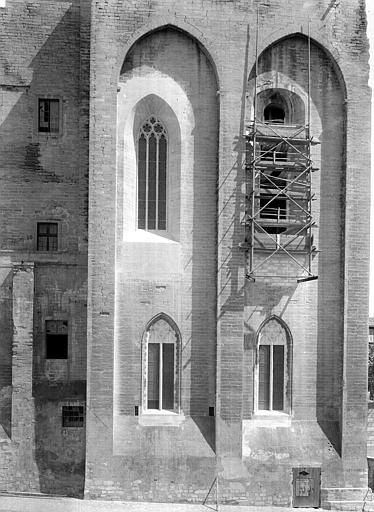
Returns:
(279, 196)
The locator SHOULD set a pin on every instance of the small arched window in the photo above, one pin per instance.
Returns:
(161, 366)
(152, 165)
(273, 367)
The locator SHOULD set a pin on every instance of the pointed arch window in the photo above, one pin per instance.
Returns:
(152, 167)
(161, 366)
(273, 373)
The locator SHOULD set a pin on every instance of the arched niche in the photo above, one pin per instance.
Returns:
(152, 106)
(279, 105)
(282, 74)
(168, 75)
(284, 66)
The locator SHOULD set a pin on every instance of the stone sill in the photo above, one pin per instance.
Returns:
(142, 235)
(271, 419)
(156, 418)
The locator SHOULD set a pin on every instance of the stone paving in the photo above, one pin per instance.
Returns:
(52, 504)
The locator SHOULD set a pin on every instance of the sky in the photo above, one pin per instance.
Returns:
(370, 15)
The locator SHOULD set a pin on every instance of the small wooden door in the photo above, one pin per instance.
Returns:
(306, 487)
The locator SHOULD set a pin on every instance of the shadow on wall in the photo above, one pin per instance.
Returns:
(6, 330)
(330, 337)
(202, 362)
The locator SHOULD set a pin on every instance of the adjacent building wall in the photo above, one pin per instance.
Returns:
(44, 53)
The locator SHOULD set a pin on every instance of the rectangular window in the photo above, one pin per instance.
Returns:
(278, 377)
(49, 115)
(264, 377)
(160, 363)
(153, 375)
(47, 236)
(271, 378)
(72, 415)
(56, 339)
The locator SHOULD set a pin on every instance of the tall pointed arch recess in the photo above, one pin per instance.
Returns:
(273, 373)
(184, 98)
(285, 194)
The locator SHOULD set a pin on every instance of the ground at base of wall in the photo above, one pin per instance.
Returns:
(38, 503)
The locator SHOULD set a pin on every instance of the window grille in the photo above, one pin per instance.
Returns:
(56, 339)
(72, 415)
(47, 236)
(152, 163)
(49, 115)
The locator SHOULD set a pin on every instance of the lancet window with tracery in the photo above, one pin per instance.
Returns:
(152, 175)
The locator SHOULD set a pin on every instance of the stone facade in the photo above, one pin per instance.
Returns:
(113, 285)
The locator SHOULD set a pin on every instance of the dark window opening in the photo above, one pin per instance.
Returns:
(56, 339)
(264, 377)
(47, 236)
(49, 115)
(274, 114)
(72, 415)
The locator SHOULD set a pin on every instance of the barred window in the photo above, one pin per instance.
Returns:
(72, 415)
(49, 115)
(152, 163)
